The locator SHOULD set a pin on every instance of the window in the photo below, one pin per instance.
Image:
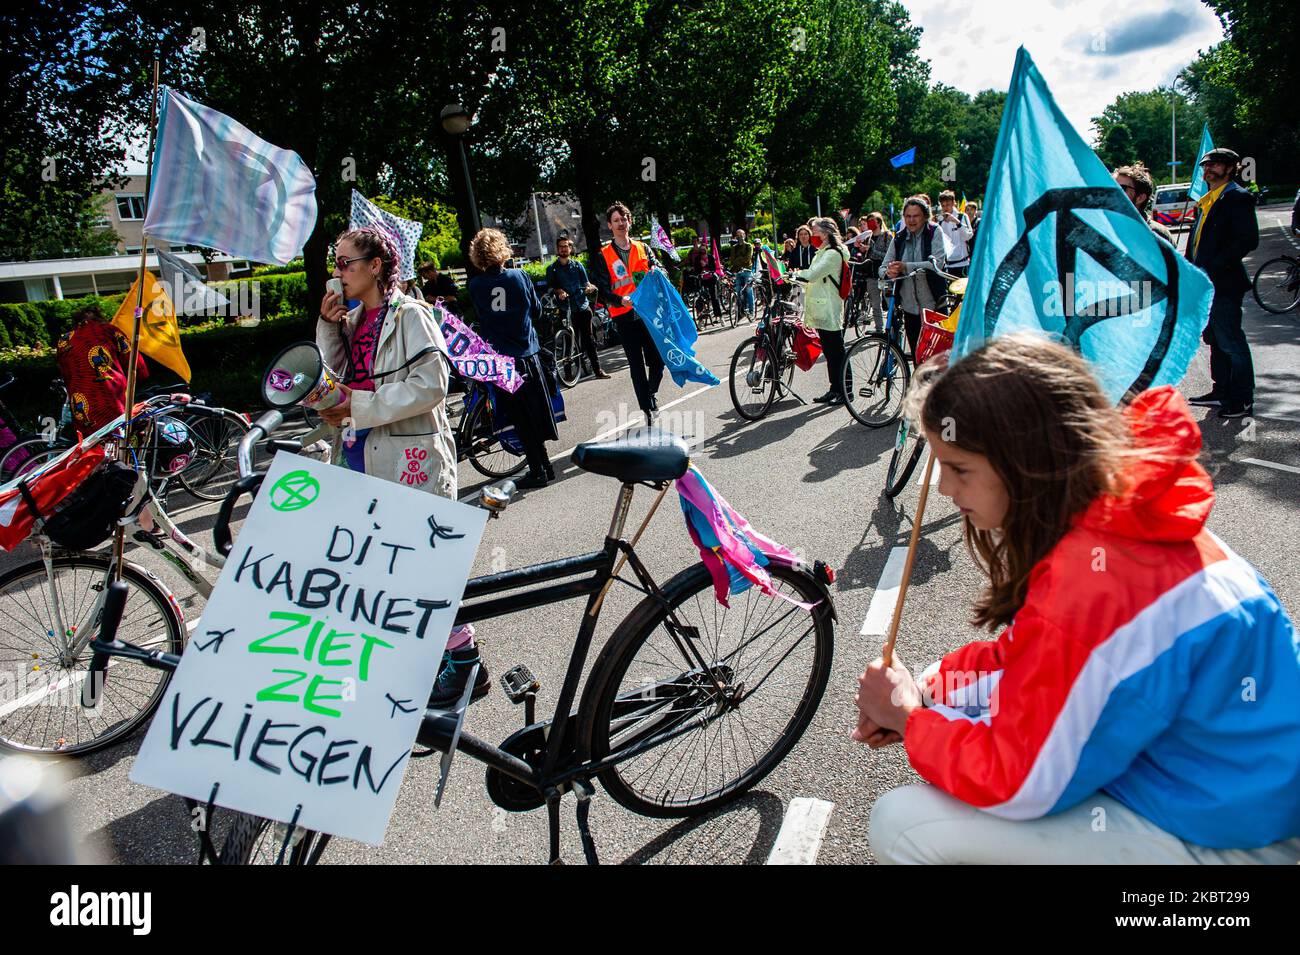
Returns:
(130, 206)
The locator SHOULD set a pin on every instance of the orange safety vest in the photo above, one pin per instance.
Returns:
(620, 276)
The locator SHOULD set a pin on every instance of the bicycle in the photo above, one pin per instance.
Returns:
(700, 301)
(762, 367)
(855, 305)
(877, 370)
(1277, 285)
(569, 362)
(677, 682)
(16, 456)
(482, 438)
(51, 607)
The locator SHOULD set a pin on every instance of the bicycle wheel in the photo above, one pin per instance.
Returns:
(44, 714)
(907, 454)
(1276, 285)
(252, 840)
(489, 456)
(737, 710)
(568, 363)
(876, 375)
(727, 296)
(213, 468)
(26, 456)
(753, 379)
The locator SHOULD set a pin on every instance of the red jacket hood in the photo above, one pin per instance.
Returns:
(1167, 495)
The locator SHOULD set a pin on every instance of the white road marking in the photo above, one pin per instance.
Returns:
(881, 609)
(934, 475)
(1271, 464)
(802, 830)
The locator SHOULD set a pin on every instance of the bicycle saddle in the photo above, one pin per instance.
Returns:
(643, 454)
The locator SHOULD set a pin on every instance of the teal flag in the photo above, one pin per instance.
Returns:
(1198, 177)
(1063, 251)
(671, 327)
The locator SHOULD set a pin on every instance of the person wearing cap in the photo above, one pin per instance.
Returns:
(1224, 231)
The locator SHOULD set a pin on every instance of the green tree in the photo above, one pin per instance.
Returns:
(1148, 115)
(73, 85)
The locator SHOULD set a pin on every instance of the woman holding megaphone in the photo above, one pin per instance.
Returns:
(392, 414)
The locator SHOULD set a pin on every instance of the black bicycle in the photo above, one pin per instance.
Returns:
(688, 704)
(762, 366)
(1277, 285)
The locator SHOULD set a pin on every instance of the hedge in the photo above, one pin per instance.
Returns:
(39, 324)
(227, 361)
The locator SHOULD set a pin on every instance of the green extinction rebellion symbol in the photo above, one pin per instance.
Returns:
(294, 491)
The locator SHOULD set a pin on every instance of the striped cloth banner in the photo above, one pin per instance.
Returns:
(217, 185)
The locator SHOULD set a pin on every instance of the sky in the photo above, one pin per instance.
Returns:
(1088, 52)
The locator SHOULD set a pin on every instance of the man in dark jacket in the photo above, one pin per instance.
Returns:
(1224, 232)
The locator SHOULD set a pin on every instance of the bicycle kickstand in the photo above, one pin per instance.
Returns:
(584, 791)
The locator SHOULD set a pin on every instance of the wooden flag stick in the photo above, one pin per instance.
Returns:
(888, 653)
(124, 451)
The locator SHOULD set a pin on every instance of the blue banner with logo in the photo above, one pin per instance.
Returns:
(1062, 250)
(671, 327)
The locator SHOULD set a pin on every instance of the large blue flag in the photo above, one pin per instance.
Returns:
(1198, 188)
(671, 327)
(217, 185)
(1062, 250)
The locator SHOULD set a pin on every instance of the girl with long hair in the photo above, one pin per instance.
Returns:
(1138, 704)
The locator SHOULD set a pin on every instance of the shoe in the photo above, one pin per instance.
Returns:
(823, 399)
(549, 472)
(531, 482)
(835, 399)
(1207, 400)
(654, 404)
(450, 685)
(602, 374)
(1236, 410)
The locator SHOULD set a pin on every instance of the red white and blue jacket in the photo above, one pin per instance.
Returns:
(1149, 661)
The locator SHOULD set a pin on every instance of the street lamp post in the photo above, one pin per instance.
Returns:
(455, 121)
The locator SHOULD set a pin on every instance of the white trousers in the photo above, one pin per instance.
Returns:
(923, 825)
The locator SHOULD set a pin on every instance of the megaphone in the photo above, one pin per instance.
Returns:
(299, 376)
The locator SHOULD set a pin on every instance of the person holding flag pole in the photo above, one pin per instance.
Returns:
(1114, 689)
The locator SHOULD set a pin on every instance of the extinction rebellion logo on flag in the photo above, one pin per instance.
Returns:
(1133, 292)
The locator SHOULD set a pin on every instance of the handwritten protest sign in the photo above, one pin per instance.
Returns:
(473, 357)
(303, 687)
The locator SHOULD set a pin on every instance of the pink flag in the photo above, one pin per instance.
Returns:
(717, 260)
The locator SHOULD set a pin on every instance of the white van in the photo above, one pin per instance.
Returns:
(1171, 206)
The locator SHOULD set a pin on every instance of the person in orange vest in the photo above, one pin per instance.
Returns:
(625, 262)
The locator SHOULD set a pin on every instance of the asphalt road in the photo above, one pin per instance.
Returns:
(811, 478)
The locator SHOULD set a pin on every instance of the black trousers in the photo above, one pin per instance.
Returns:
(581, 319)
(644, 363)
(833, 349)
(1231, 368)
(529, 412)
(912, 329)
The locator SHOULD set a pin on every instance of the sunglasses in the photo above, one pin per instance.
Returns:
(341, 263)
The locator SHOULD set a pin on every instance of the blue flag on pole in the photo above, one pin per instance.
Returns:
(1062, 250)
(671, 327)
(905, 158)
(1198, 175)
(217, 185)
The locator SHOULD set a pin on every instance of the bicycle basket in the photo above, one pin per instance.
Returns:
(87, 516)
(934, 338)
(23, 502)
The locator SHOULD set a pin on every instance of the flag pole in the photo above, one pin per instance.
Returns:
(134, 357)
(888, 653)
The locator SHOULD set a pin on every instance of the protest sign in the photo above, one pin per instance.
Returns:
(474, 358)
(302, 689)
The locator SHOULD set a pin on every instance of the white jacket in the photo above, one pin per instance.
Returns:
(410, 441)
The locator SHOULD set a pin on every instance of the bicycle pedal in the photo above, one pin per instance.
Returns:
(518, 682)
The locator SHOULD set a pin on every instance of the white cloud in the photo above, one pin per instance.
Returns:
(1088, 52)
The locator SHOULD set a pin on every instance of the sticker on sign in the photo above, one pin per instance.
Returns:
(335, 606)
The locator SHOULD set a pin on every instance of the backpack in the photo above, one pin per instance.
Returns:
(845, 284)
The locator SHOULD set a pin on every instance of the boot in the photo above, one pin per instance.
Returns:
(450, 685)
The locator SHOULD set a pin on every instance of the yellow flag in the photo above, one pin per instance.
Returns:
(160, 336)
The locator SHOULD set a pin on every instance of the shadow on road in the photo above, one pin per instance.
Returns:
(751, 824)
